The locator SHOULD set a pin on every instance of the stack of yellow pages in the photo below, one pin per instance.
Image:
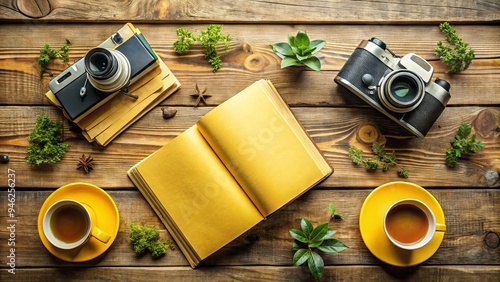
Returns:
(107, 121)
(238, 164)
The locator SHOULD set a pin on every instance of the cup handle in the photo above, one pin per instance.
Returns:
(100, 235)
(440, 227)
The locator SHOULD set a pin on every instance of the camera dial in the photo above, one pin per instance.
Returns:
(401, 91)
(107, 70)
(378, 42)
(443, 83)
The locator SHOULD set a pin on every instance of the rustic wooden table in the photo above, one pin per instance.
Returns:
(335, 120)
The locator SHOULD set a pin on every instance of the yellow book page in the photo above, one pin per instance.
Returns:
(200, 195)
(265, 148)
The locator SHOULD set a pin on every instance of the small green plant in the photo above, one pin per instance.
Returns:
(309, 238)
(333, 212)
(299, 51)
(462, 144)
(46, 145)
(380, 158)
(47, 54)
(147, 239)
(209, 38)
(460, 56)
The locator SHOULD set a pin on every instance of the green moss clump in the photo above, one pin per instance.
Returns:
(46, 145)
(147, 239)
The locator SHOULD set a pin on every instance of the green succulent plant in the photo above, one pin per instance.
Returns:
(299, 51)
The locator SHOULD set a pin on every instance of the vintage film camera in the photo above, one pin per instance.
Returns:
(399, 87)
(104, 72)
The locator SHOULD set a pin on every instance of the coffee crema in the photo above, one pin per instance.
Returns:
(407, 224)
(69, 224)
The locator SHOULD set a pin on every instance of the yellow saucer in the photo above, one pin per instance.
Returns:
(106, 212)
(371, 223)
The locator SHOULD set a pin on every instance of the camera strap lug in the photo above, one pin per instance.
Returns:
(83, 90)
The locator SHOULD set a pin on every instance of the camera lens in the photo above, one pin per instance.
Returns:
(404, 89)
(401, 91)
(100, 63)
(108, 70)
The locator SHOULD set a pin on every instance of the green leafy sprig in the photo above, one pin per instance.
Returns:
(380, 158)
(147, 239)
(47, 54)
(46, 145)
(333, 212)
(460, 56)
(299, 51)
(209, 38)
(309, 238)
(462, 144)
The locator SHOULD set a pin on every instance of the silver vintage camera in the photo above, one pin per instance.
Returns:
(399, 87)
(104, 72)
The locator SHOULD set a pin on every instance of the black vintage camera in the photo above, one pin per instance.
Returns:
(399, 87)
(104, 72)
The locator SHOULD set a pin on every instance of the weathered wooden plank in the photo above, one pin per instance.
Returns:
(261, 273)
(328, 11)
(470, 218)
(250, 58)
(333, 129)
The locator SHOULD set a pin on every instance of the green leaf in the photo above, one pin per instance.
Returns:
(296, 50)
(403, 173)
(287, 62)
(298, 245)
(283, 48)
(313, 63)
(378, 149)
(302, 58)
(317, 45)
(299, 235)
(306, 226)
(464, 131)
(462, 144)
(356, 155)
(371, 164)
(318, 233)
(291, 41)
(329, 234)
(332, 246)
(316, 265)
(331, 208)
(302, 41)
(301, 256)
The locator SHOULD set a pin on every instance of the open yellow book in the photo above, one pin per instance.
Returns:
(238, 164)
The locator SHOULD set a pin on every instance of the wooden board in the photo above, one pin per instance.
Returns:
(470, 217)
(329, 11)
(333, 129)
(336, 120)
(250, 58)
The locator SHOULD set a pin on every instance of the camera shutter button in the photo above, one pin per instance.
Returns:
(369, 81)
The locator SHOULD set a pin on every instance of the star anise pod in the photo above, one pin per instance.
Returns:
(200, 95)
(85, 163)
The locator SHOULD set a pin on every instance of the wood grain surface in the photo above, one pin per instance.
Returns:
(469, 193)
(325, 11)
